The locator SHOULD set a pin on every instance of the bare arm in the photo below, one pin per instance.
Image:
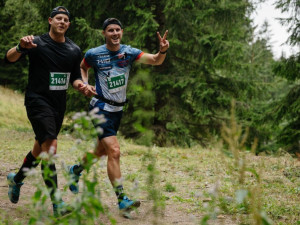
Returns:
(15, 53)
(84, 72)
(83, 85)
(158, 58)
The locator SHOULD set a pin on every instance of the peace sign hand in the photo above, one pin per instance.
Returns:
(163, 42)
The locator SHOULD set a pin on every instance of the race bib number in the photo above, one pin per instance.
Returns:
(59, 81)
(116, 83)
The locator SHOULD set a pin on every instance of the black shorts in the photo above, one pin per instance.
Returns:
(111, 125)
(46, 122)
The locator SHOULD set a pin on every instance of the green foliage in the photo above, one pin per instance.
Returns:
(292, 8)
(170, 188)
(286, 110)
(213, 57)
(88, 207)
(206, 181)
(76, 101)
(153, 190)
(26, 20)
(247, 189)
(286, 115)
(288, 68)
(139, 115)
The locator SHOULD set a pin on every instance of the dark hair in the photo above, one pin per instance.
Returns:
(57, 10)
(111, 21)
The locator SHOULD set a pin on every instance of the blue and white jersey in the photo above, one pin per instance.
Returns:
(111, 73)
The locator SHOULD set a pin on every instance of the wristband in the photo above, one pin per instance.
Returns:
(19, 49)
(163, 52)
(85, 83)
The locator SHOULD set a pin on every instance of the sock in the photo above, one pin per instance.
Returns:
(50, 178)
(29, 162)
(78, 169)
(119, 192)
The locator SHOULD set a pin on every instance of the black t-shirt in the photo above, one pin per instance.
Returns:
(51, 66)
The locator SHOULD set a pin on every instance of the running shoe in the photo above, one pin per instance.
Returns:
(13, 188)
(74, 187)
(61, 209)
(126, 206)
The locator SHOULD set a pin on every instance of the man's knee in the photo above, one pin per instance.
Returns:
(111, 146)
(50, 146)
(114, 152)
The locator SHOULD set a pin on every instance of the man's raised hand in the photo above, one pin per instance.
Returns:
(27, 42)
(163, 42)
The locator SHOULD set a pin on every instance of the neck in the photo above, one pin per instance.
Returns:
(113, 48)
(57, 37)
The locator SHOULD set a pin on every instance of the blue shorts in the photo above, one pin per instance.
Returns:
(111, 126)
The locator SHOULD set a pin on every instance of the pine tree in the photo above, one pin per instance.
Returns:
(18, 18)
(211, 60)
(287, 109)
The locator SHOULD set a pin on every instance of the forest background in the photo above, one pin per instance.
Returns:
(214, 57)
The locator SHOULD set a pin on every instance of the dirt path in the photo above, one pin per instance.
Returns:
(173, 214)
(181, 211)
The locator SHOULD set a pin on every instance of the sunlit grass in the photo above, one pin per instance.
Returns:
(12, 110)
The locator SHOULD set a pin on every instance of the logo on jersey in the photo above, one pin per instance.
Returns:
(106, 68)
(123, 63)
(122, 55)
(103, 56)
(103, 61)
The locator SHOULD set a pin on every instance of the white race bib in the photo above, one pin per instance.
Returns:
(116, 83)
(59, 81)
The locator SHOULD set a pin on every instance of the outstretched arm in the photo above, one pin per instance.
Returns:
(158, 58)
(25, 43)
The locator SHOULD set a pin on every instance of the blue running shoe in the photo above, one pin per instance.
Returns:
(126, 203)
(13, 188)
(74, 187)
(61, 209)
(126, 206)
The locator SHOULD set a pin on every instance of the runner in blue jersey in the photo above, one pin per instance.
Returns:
(111, 73)
(111, 63)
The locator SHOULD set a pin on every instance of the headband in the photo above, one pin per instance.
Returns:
(57, 10)
(111, 21)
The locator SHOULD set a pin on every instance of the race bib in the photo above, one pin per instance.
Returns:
(116, 83)
(59, 81)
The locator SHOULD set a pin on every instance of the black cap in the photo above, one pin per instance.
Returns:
(57, 10)
(111, 21)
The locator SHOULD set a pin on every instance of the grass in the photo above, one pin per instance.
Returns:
(196, 181)
(12, 110)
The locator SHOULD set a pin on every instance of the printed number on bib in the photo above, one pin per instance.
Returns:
(116, 83)
(59, 81)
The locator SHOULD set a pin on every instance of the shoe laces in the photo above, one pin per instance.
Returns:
(125, 198)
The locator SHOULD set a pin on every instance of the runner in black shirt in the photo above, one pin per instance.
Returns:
(54, 62)
(51, 65)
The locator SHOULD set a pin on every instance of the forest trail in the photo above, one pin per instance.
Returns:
(143, 216)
